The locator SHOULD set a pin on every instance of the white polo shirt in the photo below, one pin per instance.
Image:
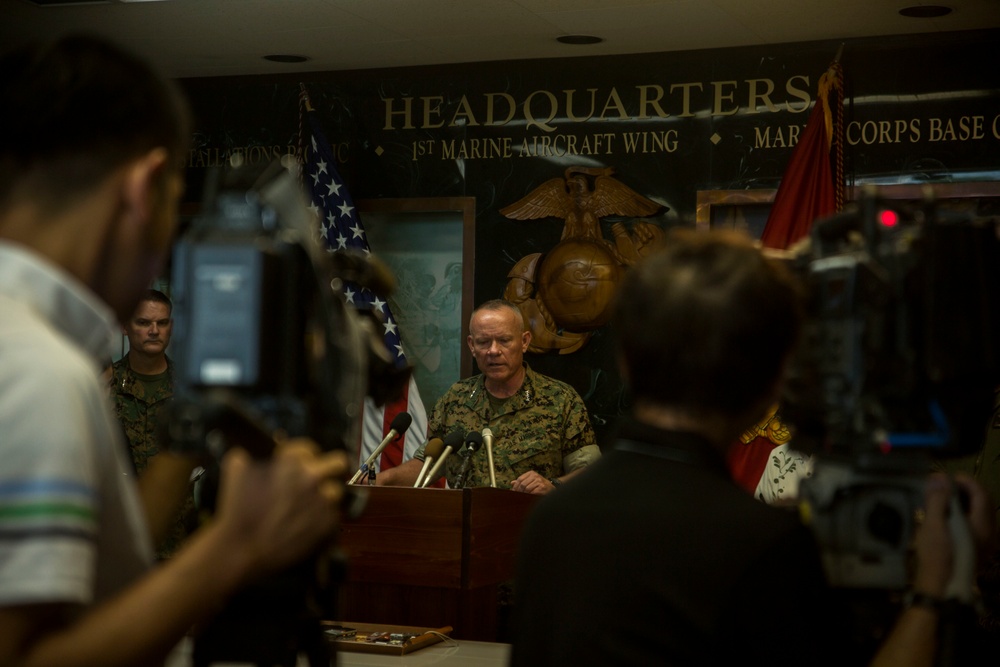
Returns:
(71, 527)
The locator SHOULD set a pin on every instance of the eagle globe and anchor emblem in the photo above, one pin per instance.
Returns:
(566, 293)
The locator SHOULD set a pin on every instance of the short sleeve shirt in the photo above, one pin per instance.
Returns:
(71, 527)
(535, 429)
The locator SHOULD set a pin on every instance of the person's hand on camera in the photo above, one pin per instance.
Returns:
(934, 545)
(932, 542)
(943, 552)
(278, 511)
(979, 513)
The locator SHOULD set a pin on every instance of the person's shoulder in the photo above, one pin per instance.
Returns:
(471, 381)
(541, 379)
(120, 371)
(546, 385)
(48, 366)
(458, 393)
(765, 521)
(464, 387)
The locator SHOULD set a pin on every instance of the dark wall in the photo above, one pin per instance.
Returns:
(919, 109)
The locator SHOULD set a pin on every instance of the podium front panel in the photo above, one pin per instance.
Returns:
(432, 557)
(406, 536)
(494, 521)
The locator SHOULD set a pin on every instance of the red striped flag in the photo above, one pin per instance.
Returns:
(341, 229)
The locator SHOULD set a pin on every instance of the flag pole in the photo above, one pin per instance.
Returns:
(304, 97)
(836, 74)
(305, 106)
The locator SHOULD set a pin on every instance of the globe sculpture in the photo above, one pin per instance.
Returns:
(566, 293)
(577, 281)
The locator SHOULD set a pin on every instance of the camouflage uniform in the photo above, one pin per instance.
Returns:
(535, 429)
(138, 412)
(138, 415)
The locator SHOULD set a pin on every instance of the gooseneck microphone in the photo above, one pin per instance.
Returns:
(488, 441)
(452, 441)
(399, 424)
(432, 450)
(473, 441)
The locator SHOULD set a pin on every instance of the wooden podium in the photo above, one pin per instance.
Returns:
(432, 557)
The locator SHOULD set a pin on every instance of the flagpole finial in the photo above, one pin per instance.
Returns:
(840, 52)
(304, 96)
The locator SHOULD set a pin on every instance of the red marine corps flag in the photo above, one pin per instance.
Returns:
(341, 229)
(812, 187)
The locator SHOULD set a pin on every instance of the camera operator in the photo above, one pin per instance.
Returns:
(91, 143)
(680, 565)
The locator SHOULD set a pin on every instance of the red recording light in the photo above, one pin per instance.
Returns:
(888, 218)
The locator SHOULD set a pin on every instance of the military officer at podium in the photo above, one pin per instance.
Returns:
(541, 433)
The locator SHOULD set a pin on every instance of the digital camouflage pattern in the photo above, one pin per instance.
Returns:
(536, 428)
(138, 412)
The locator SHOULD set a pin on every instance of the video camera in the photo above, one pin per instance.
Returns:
(265, 343)
(897, 369)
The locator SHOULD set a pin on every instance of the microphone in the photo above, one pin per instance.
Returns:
(399, 424)
(431, 451)
(473, 441)
(451, 441)
(488, 439)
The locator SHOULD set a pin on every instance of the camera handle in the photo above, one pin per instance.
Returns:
(277, 619)
(964, 554)
(957, 613)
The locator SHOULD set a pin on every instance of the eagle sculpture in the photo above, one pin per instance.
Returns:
(566, 292)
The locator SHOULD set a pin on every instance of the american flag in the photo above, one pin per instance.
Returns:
(341, 229)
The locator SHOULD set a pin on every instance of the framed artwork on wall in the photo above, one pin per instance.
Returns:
(745, 210)
(429, 245)
(748, 209)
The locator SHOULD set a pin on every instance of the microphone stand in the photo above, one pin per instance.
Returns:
(473, 441)
(464, 471)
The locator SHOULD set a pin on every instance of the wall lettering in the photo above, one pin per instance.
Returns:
(546, 109)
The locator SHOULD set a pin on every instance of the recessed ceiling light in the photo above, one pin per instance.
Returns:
(286, 58)
(68, 3)
(925, 11)
(579, 39)
(72, 3)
